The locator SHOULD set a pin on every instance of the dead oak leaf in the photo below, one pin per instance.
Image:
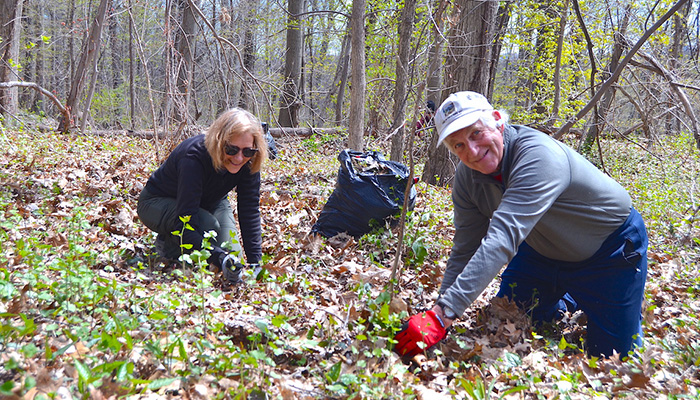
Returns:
(19, 304)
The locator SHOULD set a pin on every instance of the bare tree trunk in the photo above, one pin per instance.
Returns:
(93, 80)
(10, 29)
(433, 170)
(248, 54)
(36, 65)
(646, 123)
(557, 67)
(116, 55)
(132, 95)
(184, 46)
(91, 93)
(167, 103)
(472, 49)
(545, 33)
(405, 31)
(680, 31)
(337, 86)
(326, 33)
(221, 58)
(343, 70)
(42, 72)
(147, 74)
(358, 81)
(433, 87)
(89, 53)
(502, 19)
(71, 43)
(291, 101)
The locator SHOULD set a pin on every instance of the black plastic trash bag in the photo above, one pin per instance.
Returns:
(271, 145)
(369, 190)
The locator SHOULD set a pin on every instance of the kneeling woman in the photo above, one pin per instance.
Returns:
(195, 180)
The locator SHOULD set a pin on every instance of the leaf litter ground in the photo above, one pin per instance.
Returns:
(88, 310)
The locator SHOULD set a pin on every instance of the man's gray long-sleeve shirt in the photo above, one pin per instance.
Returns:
(549, 196)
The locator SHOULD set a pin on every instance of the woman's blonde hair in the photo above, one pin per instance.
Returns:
(231, 123)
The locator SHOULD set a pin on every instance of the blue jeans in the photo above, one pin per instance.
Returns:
(608, 287)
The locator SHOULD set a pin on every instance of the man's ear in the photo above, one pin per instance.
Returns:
(497, 116)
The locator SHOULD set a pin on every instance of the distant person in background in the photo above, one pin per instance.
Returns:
(425, 122)
(195, 180)
(566, 231)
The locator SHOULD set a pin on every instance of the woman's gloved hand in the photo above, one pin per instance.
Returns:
(231, 266)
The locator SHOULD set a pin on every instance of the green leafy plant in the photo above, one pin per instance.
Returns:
(477, 389)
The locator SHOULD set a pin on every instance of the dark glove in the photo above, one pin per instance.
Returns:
(257, 269)
(231, 267)
(425, 327)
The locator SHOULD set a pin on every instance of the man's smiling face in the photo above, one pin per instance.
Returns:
(478, 146)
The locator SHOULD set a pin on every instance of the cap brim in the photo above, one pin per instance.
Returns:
(461, 122)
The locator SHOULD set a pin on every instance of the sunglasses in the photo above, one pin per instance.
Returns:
(233, 150)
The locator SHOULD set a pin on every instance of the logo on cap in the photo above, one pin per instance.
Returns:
(448, 109)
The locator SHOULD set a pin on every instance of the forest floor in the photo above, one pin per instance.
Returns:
(88, 310)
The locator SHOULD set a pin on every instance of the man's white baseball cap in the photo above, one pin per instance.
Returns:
(458, 111)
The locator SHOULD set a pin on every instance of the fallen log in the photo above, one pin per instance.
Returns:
(127, 132)
(304, 132)
(275, 132)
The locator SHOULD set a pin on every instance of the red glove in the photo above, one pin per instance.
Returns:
(424, 327)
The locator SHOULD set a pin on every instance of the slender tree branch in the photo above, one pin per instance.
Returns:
(314, 12)
(679, 92)
(645, 120)
(235, 49)
(144, 61)
(684, 85)
(395, 268)
(614, 77)
(647, 67)
(589, 45)
(64, 111)
(557, 69)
